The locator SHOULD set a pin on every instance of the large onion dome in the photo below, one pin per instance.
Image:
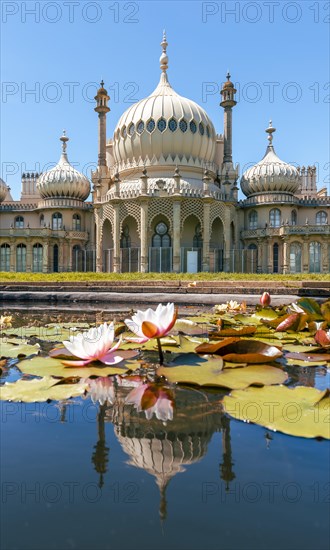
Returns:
(271, 174)
(3, 190)
(162, 127)
(63, 181)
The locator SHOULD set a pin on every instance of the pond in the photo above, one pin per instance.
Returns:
(96, 472)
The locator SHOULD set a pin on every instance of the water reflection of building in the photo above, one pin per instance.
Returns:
(165, 449)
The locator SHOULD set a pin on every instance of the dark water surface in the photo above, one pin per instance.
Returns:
(79, 475)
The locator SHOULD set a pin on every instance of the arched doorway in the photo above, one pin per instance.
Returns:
(55, 258)
(252, 258)
(37, 257)
(295, 258)
(107, 247)
(217, 245)
(21, 258)
(129, 246)
(315, 257)
(275, 257)
(5, 257)
(160, 253)
(191, 245)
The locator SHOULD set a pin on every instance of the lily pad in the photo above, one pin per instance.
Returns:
(301, 411)
(17, 348)
(211, 373)
(38, 390)
(49, 366)
(311, 306)
(236, 350)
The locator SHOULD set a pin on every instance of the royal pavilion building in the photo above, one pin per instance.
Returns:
(164, 197)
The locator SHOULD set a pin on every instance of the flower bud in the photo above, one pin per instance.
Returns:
(265, 299)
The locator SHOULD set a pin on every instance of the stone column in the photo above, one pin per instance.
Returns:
(116, 238)
(99, 242)
(144, 267)
(29, 259)
(69, 257)
(269, 255)
(305, 256)
(259, 255)
(45, 252)
(61, 266)
(226, 241)
(324, 257)
(176, 236)
(285, 265)
(12, 257)
(206, 236)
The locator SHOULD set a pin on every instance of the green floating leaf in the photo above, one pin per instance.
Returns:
(16, 348)
(325, 310)
(301, 411)
(38, 390)
(189, 327)
(266, 313)
(49, 366)
(211, 373)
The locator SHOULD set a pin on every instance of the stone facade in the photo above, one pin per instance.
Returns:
(165, 198)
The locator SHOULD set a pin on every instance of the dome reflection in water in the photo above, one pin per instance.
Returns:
(163, 449)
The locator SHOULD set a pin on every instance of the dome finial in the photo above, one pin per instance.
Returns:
(163, 58)
(228, 75)
(64, 139)
(102, 83)
(270, 131)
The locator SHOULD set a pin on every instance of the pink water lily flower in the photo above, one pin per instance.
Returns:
(322, 338)
(153, 400)
(102, 390)
(96, 344)
(152, 323)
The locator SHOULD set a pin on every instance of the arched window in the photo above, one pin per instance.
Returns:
(161, 238)
(19, 222)
(294, 217)
(21, 257)
(5, 257)
(198, 238)
(315, 257)
(253, 220)
(275, 258)
(76, 222)
(295, 258)
(125, 241)
(57, 221)
(275, 217)
(252, 258)
(321, 218)
(42, 220)
(37, 258)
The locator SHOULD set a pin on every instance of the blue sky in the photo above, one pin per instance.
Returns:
(276, 51)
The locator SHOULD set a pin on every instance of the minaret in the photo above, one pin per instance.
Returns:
(228, 173)
(102, 109)
(228, 102)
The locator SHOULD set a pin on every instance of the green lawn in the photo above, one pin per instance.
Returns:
(82, 277)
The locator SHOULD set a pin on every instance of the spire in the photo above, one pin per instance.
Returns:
(270, 131)
(164, 58)
(228, 75)
(64, 138)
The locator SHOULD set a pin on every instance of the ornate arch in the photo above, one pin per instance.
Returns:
(130, 208)
(192, 207)
(162, 206)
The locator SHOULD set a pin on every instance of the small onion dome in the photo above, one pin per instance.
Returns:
(228, 83)
(164, 126)
(63, 181)
(271, 174)
(102, 90)
(3, 190)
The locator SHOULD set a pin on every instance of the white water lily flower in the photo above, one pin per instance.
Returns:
(94, 345)
(152, 323)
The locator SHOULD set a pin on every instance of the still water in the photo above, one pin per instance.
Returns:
(81, 475)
